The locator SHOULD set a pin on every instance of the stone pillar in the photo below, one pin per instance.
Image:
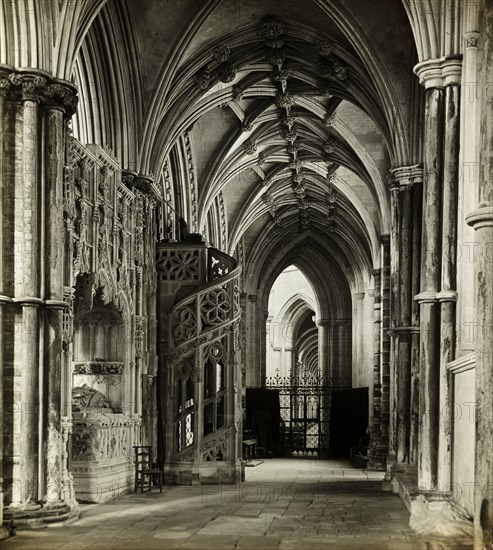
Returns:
(263, 346)
(4, 299)
(53, 250)
(468, 188)
(414, 330)
(252, 366)
(430, 274)
(342, 331)
(375, 433)
(152, 370)
(358, 339)
(395, 371)
(447, 296)
(323, 346)
(433, 75)
(30, 299)
(405, 178)
(324, 368)
(333, 352)
(36, 247)
(383, 442)
(482, 221)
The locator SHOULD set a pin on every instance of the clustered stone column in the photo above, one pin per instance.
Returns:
(441, 79)
(377, 373)
(406, 183)
(34, 108)
(3, 298)
(381, 416)
(482, 221)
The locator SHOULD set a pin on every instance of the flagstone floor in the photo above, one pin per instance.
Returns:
(285, 504)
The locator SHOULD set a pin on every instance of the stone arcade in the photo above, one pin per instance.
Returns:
(205, 197)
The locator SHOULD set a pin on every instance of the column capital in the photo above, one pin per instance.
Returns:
(482, 217)
(140, 182)
(437, 73)
(376, 272)
(426, 297)
(406, 176)
(40, 87)
(252, 298)
(392, 182)
(471, 39)
(324, 322)
(359, 295)
(447, 296)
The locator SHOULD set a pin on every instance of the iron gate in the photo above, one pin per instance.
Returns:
(305, 412)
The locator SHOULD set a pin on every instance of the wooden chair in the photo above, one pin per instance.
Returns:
(146, 472)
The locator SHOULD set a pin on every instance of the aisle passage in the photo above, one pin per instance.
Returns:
(285, 504)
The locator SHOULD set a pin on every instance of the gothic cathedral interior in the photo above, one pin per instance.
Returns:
(225, 222)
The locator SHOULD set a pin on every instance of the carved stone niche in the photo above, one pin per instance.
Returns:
(102, 435)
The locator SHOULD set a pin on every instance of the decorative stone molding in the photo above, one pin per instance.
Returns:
(226, 72)
(329, 119)
(221, 54)
(272, 28)
(329, 145)
(471, 39)
(426, 297)
(482, 217)
(250, 146)
(324, 47)
(284, 100)
(403, 176)
(238, 92)
(98, 367)
(247, 125)
(40, 87)
(437, 73)
(203, 78)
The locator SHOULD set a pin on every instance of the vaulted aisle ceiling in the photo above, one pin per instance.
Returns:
(276, 123)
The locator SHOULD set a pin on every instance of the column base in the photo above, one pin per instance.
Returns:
(390, 463)
(378, 461)
(6, 530)
(37, 516)
(435, 517)
(440, 522)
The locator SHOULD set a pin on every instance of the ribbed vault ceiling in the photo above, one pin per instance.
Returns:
(292, 114)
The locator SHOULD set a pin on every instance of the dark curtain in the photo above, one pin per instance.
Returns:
(263, 417)
(348, 421)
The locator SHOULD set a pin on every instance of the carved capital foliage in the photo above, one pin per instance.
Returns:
(40, 88)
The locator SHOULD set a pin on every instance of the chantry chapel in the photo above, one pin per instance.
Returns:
(246, 228)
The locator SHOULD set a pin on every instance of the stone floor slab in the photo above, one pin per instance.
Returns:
(284, 504)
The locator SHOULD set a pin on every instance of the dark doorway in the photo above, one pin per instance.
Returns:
(348, 421)
(262, 418)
